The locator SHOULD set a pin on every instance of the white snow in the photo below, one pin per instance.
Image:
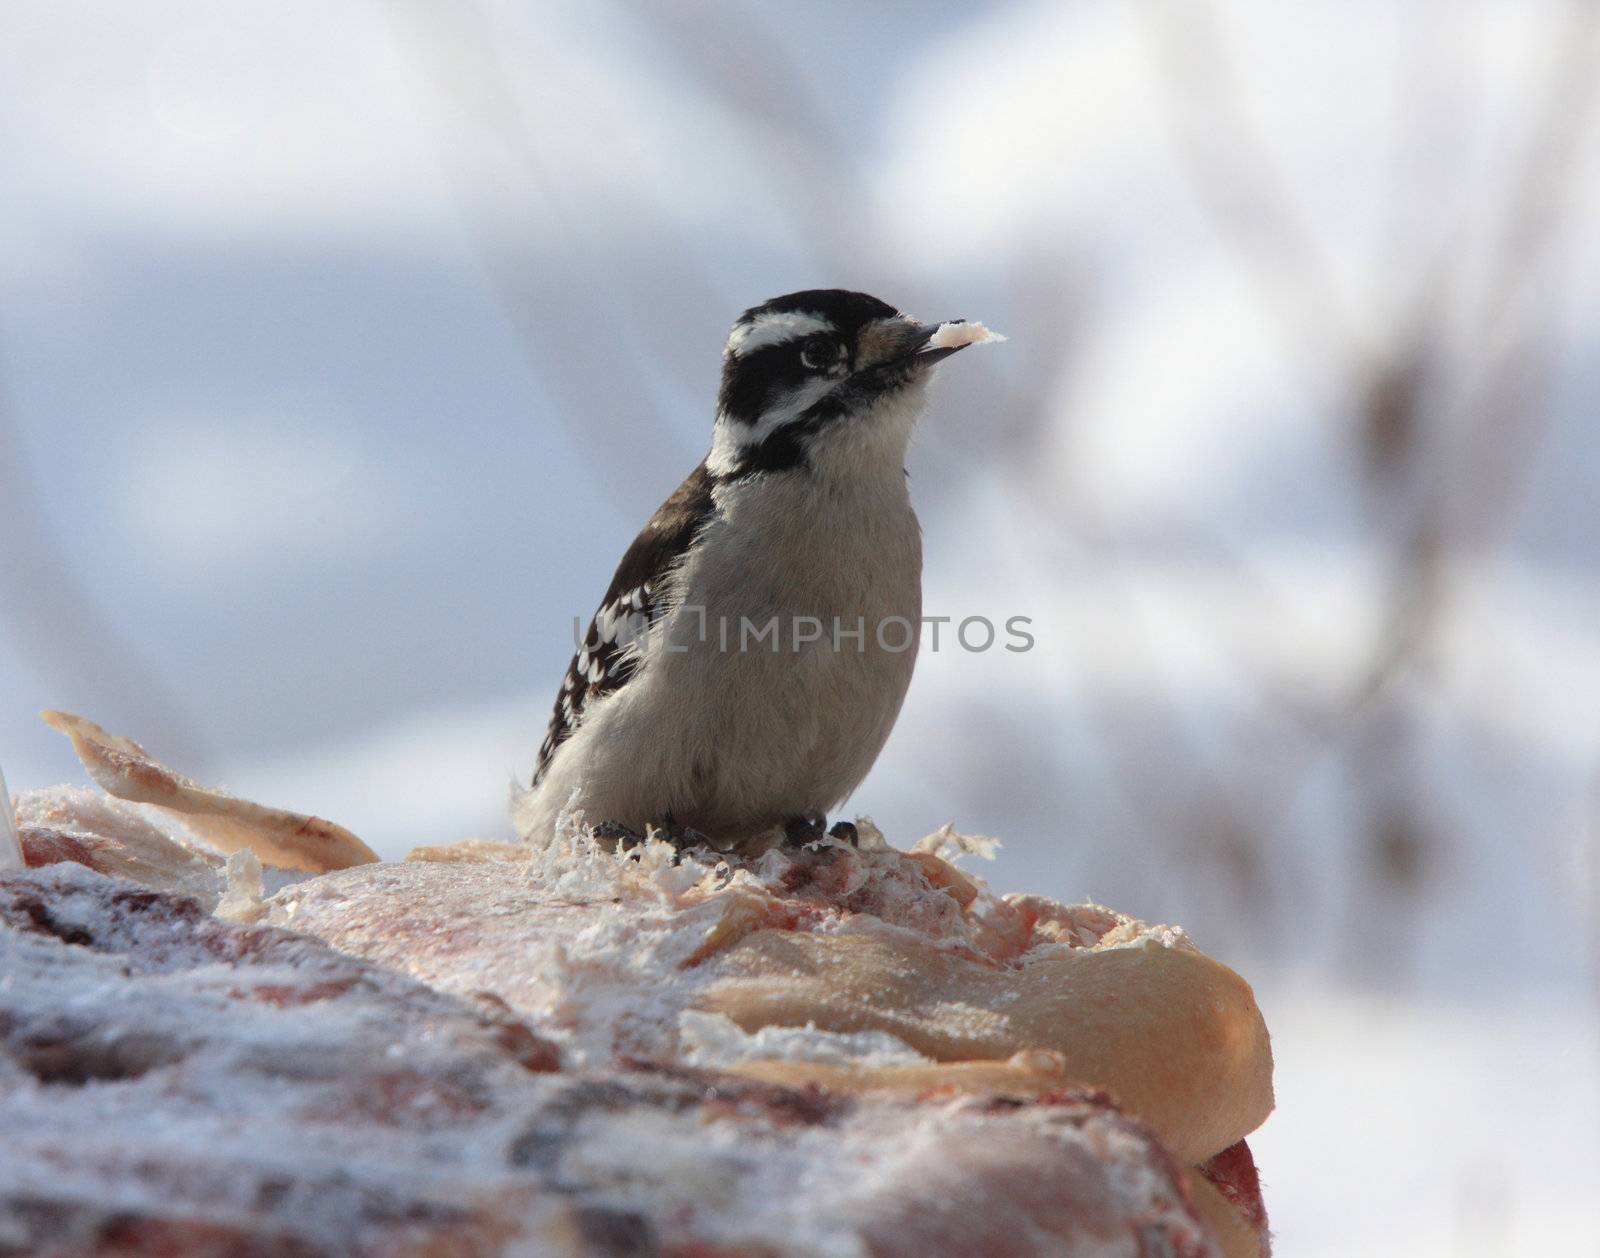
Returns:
(949, 845)
(1414, 1127)
(10, 845)
(710, 1039)
(242, 901)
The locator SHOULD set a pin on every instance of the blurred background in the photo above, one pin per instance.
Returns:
(345, 345)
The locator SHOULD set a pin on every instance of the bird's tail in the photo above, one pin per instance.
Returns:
(10, 844)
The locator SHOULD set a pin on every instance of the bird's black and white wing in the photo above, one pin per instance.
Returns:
(639, 595)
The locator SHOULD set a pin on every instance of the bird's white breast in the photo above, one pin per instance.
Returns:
(768, 726)
(717, 728)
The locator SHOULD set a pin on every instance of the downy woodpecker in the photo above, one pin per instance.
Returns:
(751, 654)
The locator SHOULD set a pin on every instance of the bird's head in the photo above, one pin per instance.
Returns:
(819, 371)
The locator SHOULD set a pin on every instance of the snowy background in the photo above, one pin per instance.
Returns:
(344, 347)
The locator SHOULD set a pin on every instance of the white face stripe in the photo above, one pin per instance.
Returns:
(731, 437)
(725, 449)
(771, 329)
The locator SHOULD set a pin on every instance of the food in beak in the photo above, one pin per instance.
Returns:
(959, 334)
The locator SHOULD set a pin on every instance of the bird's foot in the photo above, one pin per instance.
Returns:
(616, 837)
(681, 837)
(799, 831)
(803, 831)
(613, 836)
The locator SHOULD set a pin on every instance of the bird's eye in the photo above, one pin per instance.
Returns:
(819, 352)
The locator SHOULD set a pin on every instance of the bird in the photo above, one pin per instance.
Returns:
(752, 652)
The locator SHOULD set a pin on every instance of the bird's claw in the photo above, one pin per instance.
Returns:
(801, 831)
(808, 830)
(616, 837)
(681, 837)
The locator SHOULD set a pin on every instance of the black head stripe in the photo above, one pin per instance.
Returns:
(751, 382)
(847, 311)
(785, 449)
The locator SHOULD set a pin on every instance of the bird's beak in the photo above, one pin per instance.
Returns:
(901, 343)
(893, 349)
(927, 355)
